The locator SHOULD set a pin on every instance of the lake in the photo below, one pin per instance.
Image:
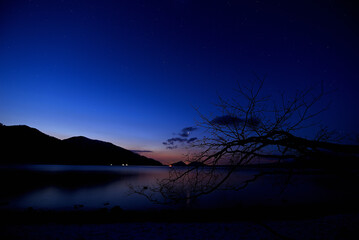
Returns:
(64, 187)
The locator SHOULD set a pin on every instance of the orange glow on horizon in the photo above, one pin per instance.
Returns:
(165, 157)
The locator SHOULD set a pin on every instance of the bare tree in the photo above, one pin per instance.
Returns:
(251, 127)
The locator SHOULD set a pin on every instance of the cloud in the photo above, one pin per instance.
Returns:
(185, 132)
(228, 120)
(172, 147)
(141, 151)
(172, 143)
(191, 140)
(254, 121)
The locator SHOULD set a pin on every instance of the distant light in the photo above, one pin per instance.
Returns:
(126, 164)
(110, 164)
(170, 165)
(123, 164)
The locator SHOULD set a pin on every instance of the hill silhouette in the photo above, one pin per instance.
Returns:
(26, 145)
(179, 164)
(191, 164)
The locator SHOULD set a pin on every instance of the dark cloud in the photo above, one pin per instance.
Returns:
(191, 140)
(172, 147)
(254, 121)
(141, 151)
(228, 120)
(185, 132)
(172, 143)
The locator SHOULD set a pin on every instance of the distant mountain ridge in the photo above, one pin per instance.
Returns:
(23, 144)
(191, 164)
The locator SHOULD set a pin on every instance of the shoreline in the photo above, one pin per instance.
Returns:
(338, 226)
(117, 214)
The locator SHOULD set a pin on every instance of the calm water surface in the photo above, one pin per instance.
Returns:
(60, 187)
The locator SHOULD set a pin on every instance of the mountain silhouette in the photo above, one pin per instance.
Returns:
(179, 164)
(26, 145)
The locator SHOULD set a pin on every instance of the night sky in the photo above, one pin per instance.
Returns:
(132, 72)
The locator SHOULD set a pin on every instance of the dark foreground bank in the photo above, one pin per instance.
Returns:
(117, 214)
(169, 225)
(311, 221)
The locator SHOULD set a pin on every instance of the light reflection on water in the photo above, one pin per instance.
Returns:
(92, 187)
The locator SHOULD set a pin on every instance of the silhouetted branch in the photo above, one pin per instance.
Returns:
(250, 129)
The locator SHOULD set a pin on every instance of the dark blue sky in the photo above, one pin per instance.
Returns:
(130, 72)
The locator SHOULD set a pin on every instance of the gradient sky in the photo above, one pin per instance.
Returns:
(130, 72)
